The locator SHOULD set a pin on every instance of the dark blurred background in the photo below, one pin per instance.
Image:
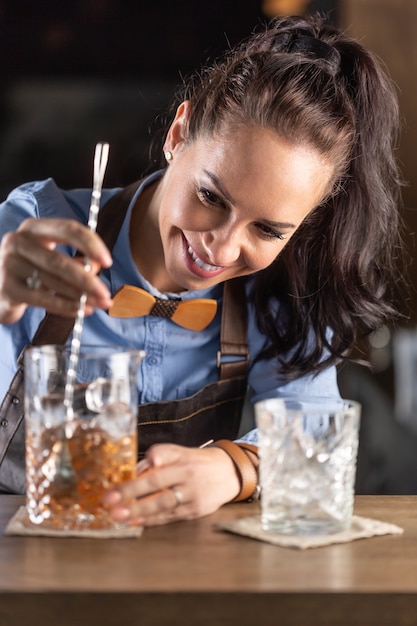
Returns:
(77, 72)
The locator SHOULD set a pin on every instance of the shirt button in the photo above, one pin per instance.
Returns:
(153, 360)
(15, 400)
(4, 423)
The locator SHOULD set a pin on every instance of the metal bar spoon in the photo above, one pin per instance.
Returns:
(65, 479)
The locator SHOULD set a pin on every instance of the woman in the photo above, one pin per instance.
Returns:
(279, 195)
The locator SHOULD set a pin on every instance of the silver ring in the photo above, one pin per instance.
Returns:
(33, 281)
(178, 495)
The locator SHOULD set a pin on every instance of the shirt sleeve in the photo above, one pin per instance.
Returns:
(30, 200)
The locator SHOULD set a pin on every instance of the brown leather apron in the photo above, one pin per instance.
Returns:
(212, 413)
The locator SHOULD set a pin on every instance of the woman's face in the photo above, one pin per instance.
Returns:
(229, 203)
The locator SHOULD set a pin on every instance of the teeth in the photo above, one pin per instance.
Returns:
(204, 266)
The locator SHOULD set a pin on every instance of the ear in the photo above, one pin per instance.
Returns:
(178, 131)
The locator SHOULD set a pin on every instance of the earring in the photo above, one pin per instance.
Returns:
(168, 155)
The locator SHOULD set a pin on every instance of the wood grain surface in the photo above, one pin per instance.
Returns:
(192, 573)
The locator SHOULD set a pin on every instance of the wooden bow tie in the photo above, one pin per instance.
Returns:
(134, 302)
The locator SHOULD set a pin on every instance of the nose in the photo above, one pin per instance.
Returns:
(224, 246)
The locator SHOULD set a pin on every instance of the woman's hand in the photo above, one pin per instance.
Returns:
(30, 252)
(175, 483)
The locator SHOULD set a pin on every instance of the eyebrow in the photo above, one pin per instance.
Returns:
(229, 198)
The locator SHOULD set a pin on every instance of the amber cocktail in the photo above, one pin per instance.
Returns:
(70, 464)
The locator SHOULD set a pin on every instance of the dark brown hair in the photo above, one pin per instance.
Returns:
(314, 85)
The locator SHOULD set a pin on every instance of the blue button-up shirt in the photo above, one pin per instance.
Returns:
(178, 362)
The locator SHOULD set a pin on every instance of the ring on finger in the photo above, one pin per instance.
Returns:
(33, 281)
(178, 496)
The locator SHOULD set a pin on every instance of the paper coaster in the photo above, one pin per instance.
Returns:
(361, 528)
(20, 524)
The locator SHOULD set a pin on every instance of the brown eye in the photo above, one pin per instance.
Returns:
(210, 197)
(270, 232)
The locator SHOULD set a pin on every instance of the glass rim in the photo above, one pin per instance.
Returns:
(312, 402)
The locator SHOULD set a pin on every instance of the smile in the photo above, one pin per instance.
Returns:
(204, 266)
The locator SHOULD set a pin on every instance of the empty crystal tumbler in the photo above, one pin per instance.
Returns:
(308, 452)
(73, 457)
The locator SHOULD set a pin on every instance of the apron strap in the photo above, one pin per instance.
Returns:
(233, 356)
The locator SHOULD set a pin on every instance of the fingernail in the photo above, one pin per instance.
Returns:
(142, 466)
(137, 521)
(120, 514)
(111, 497)
(108, 260)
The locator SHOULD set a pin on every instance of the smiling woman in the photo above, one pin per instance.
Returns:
(228, 203)
(274, 203)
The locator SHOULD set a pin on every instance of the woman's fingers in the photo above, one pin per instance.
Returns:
(174, 483)
(157, 508)
(158, 495)
(52, 232)
(150, 481)
(30, 253)
(59, 283)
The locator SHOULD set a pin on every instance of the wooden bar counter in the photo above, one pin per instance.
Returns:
(190, 573)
